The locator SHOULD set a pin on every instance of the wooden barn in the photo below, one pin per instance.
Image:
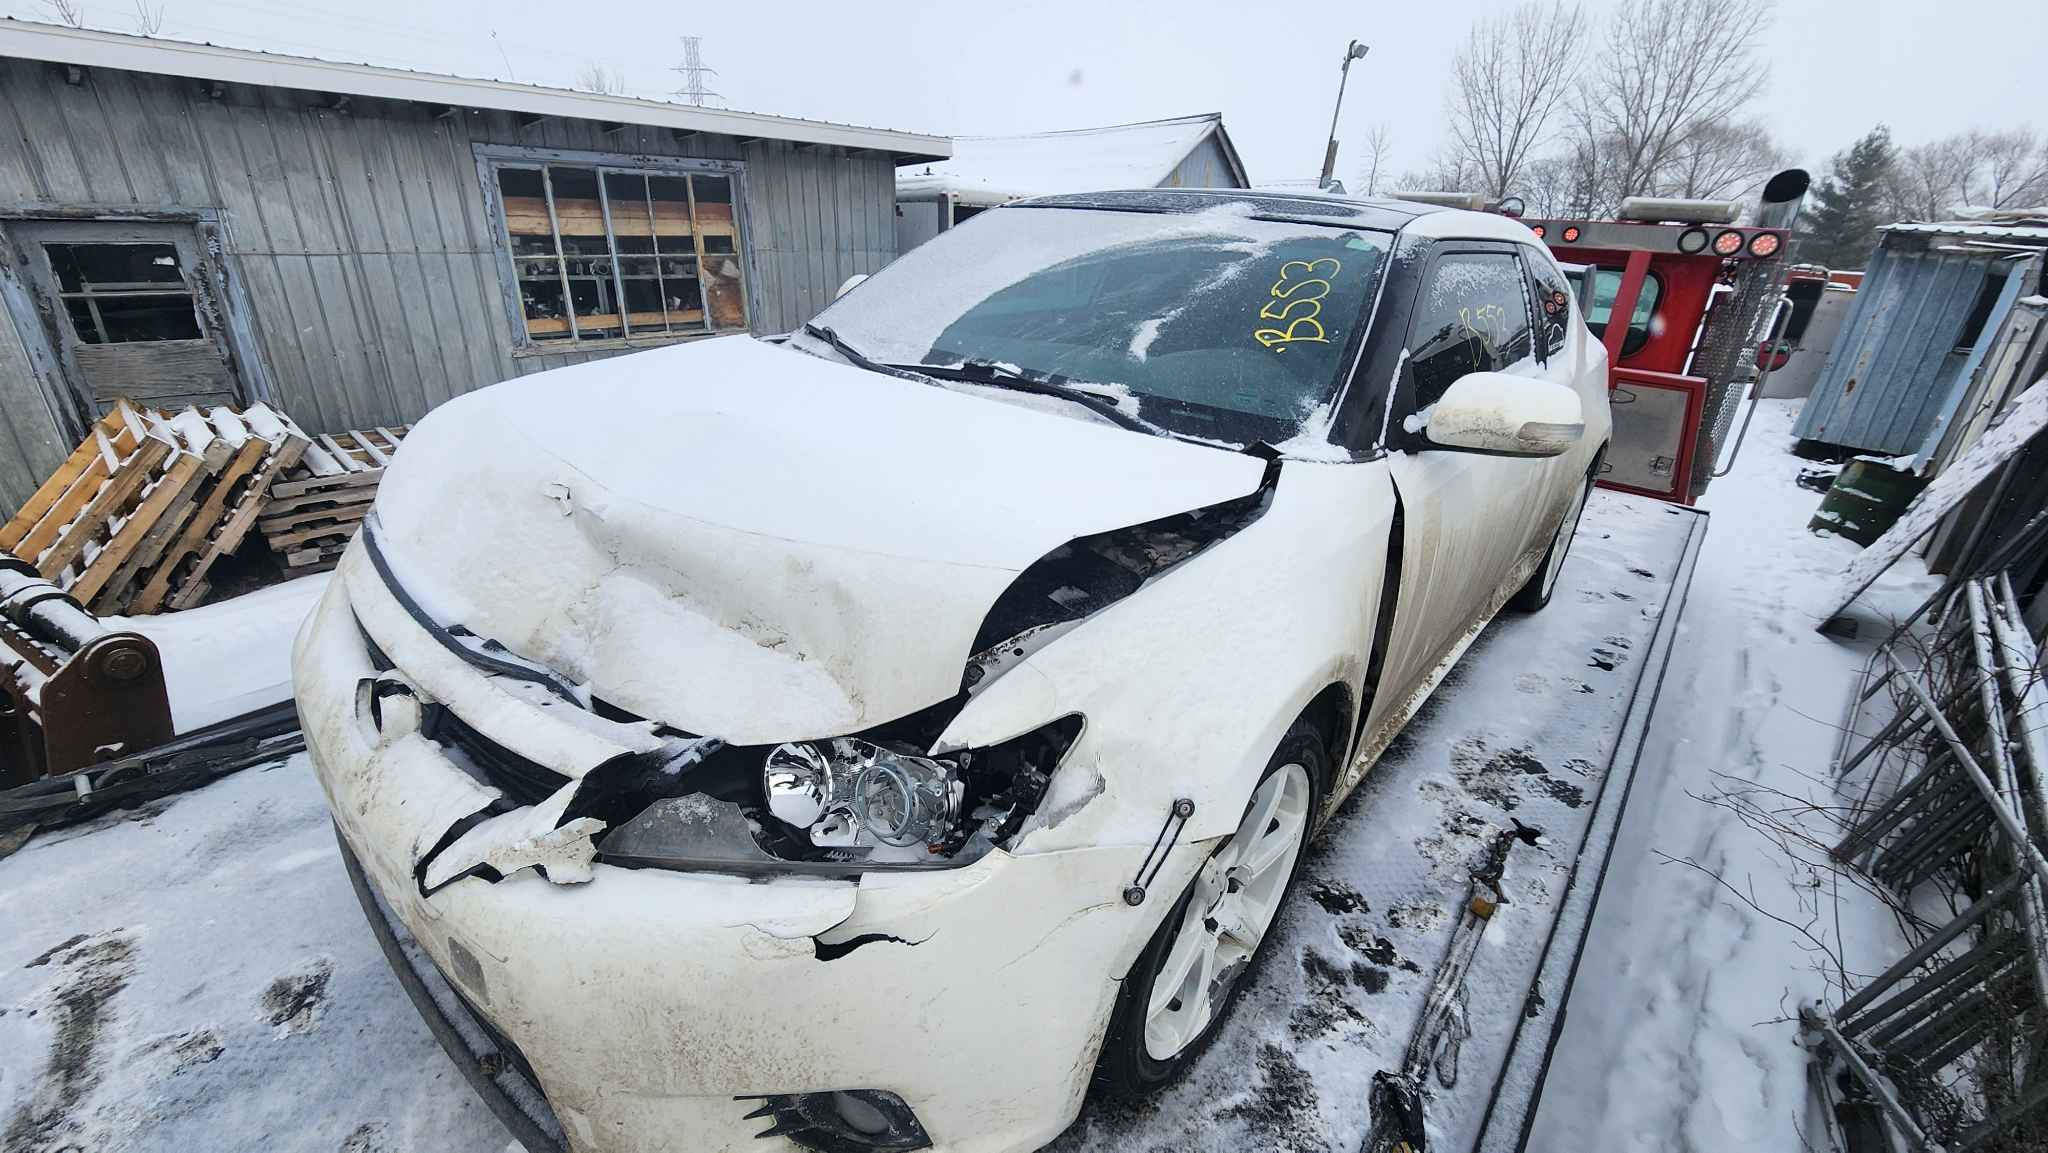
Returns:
(352, 245)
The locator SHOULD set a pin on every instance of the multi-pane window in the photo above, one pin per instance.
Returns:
(123, 293)
(601, 253)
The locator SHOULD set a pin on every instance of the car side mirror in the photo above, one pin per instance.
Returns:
(1508, 415)
(852, 282)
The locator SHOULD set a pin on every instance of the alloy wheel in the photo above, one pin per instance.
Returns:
(1236, 896)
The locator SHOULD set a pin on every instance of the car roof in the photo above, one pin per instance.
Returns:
(1304, 208)
(1431, 220)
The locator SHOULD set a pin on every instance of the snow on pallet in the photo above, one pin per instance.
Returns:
(139, 511)
(136, 517)
(314, 512)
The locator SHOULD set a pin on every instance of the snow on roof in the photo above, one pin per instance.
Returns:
(2034, 230)
(88, 48)
(997, 168)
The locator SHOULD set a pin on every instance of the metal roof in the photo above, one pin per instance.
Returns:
(1074, 160)
(88, 48)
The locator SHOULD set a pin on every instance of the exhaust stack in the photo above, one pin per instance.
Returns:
(1779, 205)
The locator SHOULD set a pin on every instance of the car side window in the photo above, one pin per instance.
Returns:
(1553, 304)
(1472, 316)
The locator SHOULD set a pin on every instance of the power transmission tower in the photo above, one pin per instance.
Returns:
(693, 72)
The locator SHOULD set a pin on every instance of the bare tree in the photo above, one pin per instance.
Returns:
(595, 77)
(71, 12)
(148, 21)
(1507, 82)
(1670, 69)
(1379, 143)
(1448, 171)
(1722, 161)
(2011, 169)
(1548, 186)
(1930, 181)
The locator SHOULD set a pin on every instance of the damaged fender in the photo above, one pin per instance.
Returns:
(1291, 599)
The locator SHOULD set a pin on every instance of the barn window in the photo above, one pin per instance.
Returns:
(602, 253)
(123, 293)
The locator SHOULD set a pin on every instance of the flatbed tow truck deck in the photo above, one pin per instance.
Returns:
(1386, 979)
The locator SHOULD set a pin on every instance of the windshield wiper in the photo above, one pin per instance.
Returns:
(996, 375)
(855, 358)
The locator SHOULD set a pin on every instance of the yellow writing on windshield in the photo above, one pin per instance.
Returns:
(1296, 300)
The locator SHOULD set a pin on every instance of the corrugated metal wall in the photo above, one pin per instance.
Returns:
(1895, 361)
(1205, 167)
(361, 238)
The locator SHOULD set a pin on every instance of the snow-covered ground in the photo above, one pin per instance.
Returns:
(222, 660)
(1678, 1037)
(196, 974)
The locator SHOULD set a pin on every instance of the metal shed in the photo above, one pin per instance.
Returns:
(1934, 300)
(985, 171)
(184, 223)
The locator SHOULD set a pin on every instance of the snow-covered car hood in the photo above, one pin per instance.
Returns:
(750, 542)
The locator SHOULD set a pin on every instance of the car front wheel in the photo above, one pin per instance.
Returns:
(1183, 984)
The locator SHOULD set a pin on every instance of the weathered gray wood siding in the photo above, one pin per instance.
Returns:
(1205, 167)
(32, 441)
(361, 237)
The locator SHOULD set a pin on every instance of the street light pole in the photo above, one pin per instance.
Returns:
(1356, 51)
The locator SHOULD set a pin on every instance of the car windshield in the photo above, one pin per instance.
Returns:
(1212, 325)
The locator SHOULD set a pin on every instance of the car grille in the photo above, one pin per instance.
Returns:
(524, 782)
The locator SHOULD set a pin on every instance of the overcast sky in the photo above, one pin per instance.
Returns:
(1925, 67)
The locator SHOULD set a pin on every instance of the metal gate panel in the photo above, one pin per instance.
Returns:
(1894, 363)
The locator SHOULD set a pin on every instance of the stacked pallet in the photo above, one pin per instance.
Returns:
(313, 512)
(137, 515)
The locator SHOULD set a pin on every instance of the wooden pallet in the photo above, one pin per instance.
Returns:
(111, 501)
(136, 517)
(237, 498)
(314, 512)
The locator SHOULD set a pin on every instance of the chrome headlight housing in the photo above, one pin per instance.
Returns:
(850, 793)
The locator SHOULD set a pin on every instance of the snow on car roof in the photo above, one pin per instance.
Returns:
(1383, 215)
(1077, 160)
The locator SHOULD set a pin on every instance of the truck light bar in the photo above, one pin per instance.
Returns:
(1679, 239)
(1470, 201)
(1658, 209)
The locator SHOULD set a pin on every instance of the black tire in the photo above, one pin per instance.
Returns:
(1125, 1069)
(1534, 593)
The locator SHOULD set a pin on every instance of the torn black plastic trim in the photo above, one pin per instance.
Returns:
(455, 833)
(814, 1121)
(1089, 573)
(477, 656)
(523, 780)
(616, 790)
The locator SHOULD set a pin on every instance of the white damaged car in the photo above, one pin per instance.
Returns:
(869, 740)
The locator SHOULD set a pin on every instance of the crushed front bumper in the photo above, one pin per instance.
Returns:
(650, 1004)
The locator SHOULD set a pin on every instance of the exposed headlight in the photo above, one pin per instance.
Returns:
(838, 807)
(848, 793)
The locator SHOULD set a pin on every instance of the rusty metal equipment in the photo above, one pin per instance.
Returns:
(76, 692)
